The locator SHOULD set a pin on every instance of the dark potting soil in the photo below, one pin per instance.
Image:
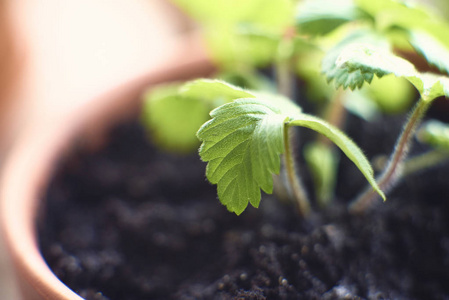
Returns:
(129, 222)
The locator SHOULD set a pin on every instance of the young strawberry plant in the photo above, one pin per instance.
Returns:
(347, 42)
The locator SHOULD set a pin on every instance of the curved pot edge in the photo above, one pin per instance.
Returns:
(24, 177)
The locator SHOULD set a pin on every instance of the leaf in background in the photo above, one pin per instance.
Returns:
(173, 114)
(357, 63)
(272, 14)
(319, 17)
(348, 147)
(406, 16)
(361, 105)
(242, 143)
(248, 79)
(388, 13)
(322, 161)
(435, 52)
(435, 133)
(342, 76)
(430, 86)
(213, 90)
(221, 20)
(392, 95)
(172, 119)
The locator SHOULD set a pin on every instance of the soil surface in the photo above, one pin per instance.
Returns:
(129, 222)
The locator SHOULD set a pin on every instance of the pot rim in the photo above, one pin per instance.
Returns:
(24, 177)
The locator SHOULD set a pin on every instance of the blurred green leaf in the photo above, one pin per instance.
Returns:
(322, 161)
(213, 90)
(319, 17)
(335, 58)
(173, 113)
(435, 52)
(223, 21)
(359, 62)
(391, 94)
(361, 105)
(430, 85)
(434, 133)
(172, 119)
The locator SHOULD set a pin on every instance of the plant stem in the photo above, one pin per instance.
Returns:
(296, 188)
(284, 61)
(393, 170)
(285, 84)
(335, 115)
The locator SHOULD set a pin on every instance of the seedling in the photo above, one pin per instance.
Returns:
(243, 141)
(250, 131)
(360, 62)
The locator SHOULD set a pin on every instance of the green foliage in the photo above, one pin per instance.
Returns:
(349, 41)
(322, 162)
(319, 17)
(352, 78)
(435, 133)
(433, 50)
(391, 94)
(213, 90)
(243, 140)
(349, 148)
(357, 63)
(173, 113)
(242, 143)
(241, 32)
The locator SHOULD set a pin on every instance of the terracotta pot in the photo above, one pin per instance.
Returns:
(52, 127)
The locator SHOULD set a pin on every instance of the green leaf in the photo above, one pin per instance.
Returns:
(435, 133)
(435, 52)
(429, 85)
(361, 105)
(222, 21)
(348, 147)
(322, 161)
(389, 13)
(392, 95)
(248, 80)
(319, 17)
(165, 109)
(273, 14)
(357, 63)
(173, 114)
(350, 78)
(216, 90)
(242, 143)
(361, 61)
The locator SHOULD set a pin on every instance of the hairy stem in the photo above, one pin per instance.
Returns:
(393, 170)
(296, 188)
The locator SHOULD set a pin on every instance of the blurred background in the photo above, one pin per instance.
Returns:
(57, 55)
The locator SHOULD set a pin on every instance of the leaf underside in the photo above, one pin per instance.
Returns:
(357, 63)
